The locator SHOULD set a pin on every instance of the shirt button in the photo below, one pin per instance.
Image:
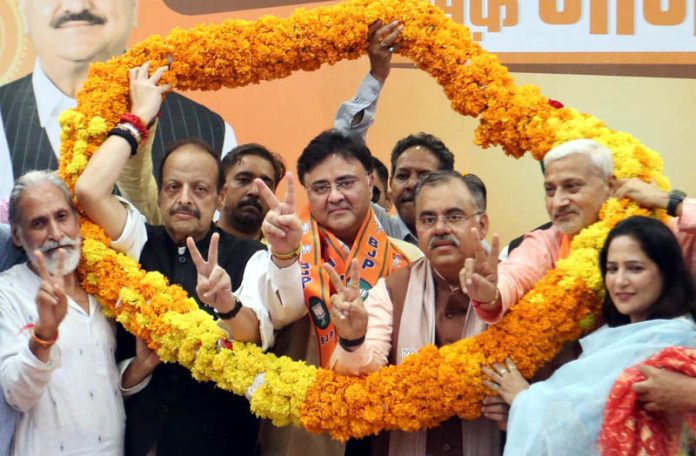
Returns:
(446, 447)
(182, 259)
(449, 316)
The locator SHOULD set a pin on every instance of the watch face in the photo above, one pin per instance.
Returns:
(677, 194)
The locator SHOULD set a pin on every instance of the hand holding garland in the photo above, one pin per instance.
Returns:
(381, 44)
(647, 195)
(214, 288)
(95, 185)
(506, 380)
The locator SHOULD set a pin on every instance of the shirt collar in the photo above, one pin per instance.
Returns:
(443, 283)
(51, 101)
(404, 232)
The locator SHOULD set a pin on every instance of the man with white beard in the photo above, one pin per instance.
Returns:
(57, 362)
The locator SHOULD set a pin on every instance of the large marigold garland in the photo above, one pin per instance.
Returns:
(432, 385)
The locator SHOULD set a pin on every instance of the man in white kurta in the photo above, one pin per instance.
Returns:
(57, 365)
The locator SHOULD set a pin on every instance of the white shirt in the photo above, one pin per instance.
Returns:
(72, 404)
(49, 106)
(256, 284)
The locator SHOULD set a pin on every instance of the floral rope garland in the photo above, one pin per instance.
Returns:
(432, 385)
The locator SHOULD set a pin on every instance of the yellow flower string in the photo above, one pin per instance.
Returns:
(432, 385)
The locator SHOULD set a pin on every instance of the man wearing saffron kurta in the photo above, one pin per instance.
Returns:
(578, 179)
(337, 227)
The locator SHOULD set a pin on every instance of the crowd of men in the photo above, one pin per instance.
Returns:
(338, 283)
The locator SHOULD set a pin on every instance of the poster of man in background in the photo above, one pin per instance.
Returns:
(68, 35)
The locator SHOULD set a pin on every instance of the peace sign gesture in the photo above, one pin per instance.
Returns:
(281, 227)
(348, 311)
(213, 286)
(51, 301)
(479, 276)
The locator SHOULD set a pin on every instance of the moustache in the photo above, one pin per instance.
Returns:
(82, 16)
(407, 197)
(253, 202)
(443, 238)
(188, 210)
(49, 245)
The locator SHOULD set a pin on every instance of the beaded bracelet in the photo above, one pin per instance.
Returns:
(127, 135)
(137, 122)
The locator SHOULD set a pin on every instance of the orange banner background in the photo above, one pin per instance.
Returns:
(286, 114)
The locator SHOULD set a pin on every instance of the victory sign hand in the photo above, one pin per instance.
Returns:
(348, 312)
(213, 286)
(281, 227)
(479, 276)
(51, 300)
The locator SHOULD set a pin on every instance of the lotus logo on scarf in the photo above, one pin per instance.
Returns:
(320, 314)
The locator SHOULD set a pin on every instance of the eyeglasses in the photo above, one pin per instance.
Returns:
(429, 220)
(324, 188)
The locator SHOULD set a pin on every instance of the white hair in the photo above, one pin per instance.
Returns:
(28, 180)
(601, 156)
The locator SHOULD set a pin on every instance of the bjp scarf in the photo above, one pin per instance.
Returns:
(377, 257)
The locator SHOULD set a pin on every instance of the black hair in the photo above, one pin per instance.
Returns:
(428, 141)
(332, 142)
(235, 156)
(472, 182)
(659, 244)
(200, 144)
(381, 170)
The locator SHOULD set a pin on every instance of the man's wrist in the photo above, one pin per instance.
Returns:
(45, 334)
(488, 305)
(230, 314)
(286, 256)
(350, 345)
(675, 199)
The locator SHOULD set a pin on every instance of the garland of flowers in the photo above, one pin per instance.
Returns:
(432, 385)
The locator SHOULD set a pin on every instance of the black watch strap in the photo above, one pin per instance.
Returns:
(675, 197)
(232, 313)
(351, 344)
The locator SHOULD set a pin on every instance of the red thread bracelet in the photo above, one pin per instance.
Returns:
(137, 122)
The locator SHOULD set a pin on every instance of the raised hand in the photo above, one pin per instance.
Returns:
(281, 227)
(213, 285)
(348, 312)
(479, 276)
(145, 93)
(381, 44)
(51, 300)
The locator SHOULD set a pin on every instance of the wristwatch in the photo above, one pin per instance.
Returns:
(232, 313)
(675, 197)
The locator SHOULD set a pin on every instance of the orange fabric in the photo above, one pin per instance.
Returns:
(628, 429)
(377, 256)
(564, 250)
